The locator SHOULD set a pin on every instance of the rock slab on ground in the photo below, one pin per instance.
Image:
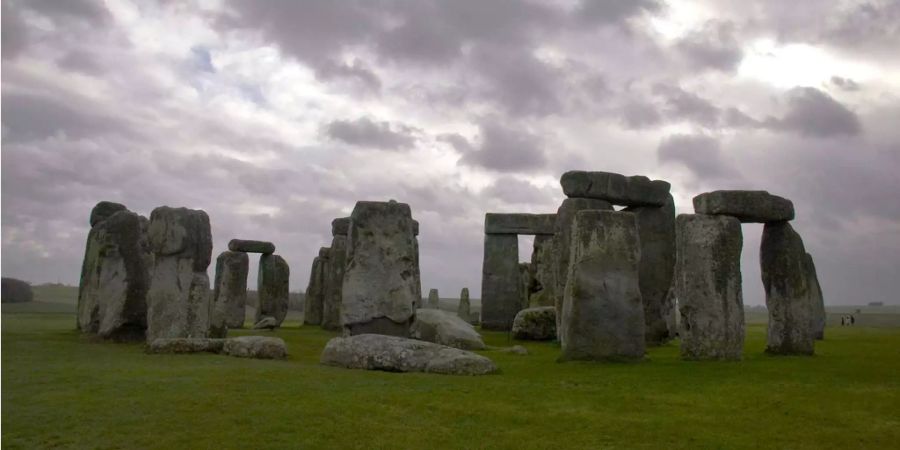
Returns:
(615, 188)
(259, 347)
(250, 246)
(445, 328)
(535, 324)
(397, 354)
(747, 206)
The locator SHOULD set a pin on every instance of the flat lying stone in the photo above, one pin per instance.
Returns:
(241, 245)
(396, 354)
(259, 347)
(186, 345)
(500, 223)
(615, 188)
(266, 323)
(746, 206)
(445, 328)
(535, 324)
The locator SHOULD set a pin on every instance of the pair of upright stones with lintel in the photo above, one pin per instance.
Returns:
(708, 277)
(614, 268)
(368, 281)
(230, 294)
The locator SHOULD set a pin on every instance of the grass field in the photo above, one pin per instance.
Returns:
(61, 389)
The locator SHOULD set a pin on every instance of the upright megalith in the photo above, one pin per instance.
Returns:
(463, 310)
(434, 300)
(656, 227)
(543, 266)
(708, 286)
(178, 302)
(615, 188)
(603, 317)
(315, 293)
(818, 302)
(746, 206)
(273, 289)
(229, 293)
(501, 289)
(115, 278)
(248, 246)
(785, 276)
(335, 268)
(381, 281)
(526, 277)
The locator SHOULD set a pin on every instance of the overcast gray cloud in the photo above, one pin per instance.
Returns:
(276, 117)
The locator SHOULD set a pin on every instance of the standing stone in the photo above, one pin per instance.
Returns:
(463, 309)
(526, 277)
(115, 277)
(315, 293)
(334, 281)
(381, 278)
(544, 270)
(501, 288)
(229, 293)
(434, 300)
(656, 227)
(785, 276)
(16, 291)
(565, 217)
(818, 302)
(708, 286)
(273, 289)
(179, 298)
(603, 317)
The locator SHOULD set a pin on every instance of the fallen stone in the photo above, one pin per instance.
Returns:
(747, 206)
(515, 350)
(178, 302)
(462, 310)
(229, 293)
(315, 293)
(818, 302)
(104, 210)
(273, 288)
(708, 287)
(266, 323)
(501, 223)
(259, 347)
(445, 328)
(615, 188)
(535, 324)
(603, 317)
(241, 245)
(381, 281)
(434, 300)
(501, 286)
(397, 354)
(656, 228)
(782, 259)
(16, 291)
(186, 345)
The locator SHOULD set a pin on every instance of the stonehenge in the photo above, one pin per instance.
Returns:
(782, 259)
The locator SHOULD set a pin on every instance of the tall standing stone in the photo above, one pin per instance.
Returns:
(544, 269)
(526, 277)
(656, 227)
(315, 293)
(565, 217)
(603, 317)
(334, 281)
(501, 291)
(273, 288)
(463, 309)
(381, 282)
(229, 293)
(782, 259)
(178, 302)
(708, 286)
(434, 300)
(819, 316)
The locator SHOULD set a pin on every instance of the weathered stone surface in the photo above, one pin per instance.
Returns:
(565, 218)
(333, 282)
(340, 226)
(526, 277)
(708, 286)
(259, 347)
(381, 281)
(543, 268)
(229, 300)
(396, 354)
(603, 317)
(615, 188)
(445, 328)
(273, 287)
(415, 226)
(656, 228)
(535, 324)
(502, 223)
(818, 302)
(16, 291)
(315, 293)
(178, 302)
(501, 287)
(747, 206)
(434, 300)
(115, 279)
(103, 210)
(782, 259)
(249, 246)
(266, 323)
(186, 345)
(462, 310)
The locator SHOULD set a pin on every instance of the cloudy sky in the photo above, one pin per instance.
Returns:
(276, 116)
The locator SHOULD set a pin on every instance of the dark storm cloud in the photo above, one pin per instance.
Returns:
(713, 46)
(812, 112)
(365, 132)
(505, 149)
(701, 154)
(684, 105)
